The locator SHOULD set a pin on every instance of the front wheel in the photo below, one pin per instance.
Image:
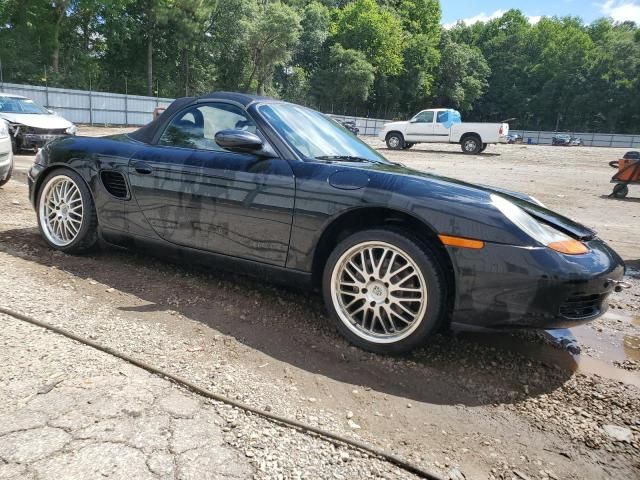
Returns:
(395, 141)
(385, 291)
(471, 145)
(66, 213)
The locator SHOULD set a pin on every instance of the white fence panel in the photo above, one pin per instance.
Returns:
(81, 106)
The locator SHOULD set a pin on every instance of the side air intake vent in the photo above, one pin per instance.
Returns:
(115, 184)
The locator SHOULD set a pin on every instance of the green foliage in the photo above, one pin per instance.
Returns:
(387, 58)
(373, 30)
(273, 35)
(346, 78)
(462, 76)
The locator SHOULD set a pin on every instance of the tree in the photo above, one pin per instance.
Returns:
(365, 26)
(272, 40)
(462, 76)
(345, 78)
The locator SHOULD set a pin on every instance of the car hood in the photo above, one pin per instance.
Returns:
(524, 201)
(394, 125)
(51, 122)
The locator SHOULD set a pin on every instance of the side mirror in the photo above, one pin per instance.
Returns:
(243, 142)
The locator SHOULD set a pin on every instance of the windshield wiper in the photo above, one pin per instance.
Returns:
(344, 158)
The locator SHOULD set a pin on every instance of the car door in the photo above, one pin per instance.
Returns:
(441, 127)
(420, 127)
(194, 193)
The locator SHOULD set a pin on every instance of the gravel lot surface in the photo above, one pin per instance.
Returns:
(479, 404)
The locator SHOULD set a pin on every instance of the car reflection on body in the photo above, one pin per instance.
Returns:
(279, 190)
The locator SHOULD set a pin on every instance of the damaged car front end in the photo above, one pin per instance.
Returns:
(31, 125)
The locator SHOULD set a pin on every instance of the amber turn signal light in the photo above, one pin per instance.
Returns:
(461, 242)
(569, 247)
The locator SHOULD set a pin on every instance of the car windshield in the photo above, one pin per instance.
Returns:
(21, 105)
(315, 135)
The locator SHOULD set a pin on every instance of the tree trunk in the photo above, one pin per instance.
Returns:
(55, 54)
(186, 73)
(150, 65)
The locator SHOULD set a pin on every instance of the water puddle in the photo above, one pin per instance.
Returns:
(581, 349)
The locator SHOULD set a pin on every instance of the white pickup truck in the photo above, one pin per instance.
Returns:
(443, 125)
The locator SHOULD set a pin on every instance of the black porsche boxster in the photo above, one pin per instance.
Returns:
(269, 187)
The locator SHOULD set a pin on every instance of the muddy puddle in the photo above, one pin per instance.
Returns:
(581, 349)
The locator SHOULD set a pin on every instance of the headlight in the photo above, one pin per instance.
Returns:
(540, 232)
(72, 130)
(4, 129)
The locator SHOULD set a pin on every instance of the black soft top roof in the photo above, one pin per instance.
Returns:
(146, 133)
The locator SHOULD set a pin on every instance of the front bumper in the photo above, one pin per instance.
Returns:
(509, 286)
(32, 177)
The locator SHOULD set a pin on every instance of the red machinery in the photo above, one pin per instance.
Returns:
(628, 173)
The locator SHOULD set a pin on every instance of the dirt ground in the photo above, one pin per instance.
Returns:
(494, 405)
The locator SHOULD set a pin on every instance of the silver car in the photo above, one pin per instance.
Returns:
(6, 153)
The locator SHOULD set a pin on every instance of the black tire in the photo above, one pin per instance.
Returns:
(614, 164)
(395, 141)
(471, 144)
(8, 177)
(407, 145)
(620, 190)
(484, 147)
(427, 261)
(87, 236)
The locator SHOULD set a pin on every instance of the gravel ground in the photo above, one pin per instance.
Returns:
(486, 405)
(72, 412)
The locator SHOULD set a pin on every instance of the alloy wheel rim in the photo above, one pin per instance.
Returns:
(61, 210)
(379, 292)
(394, 142)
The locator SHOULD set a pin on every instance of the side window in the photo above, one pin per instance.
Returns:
(424, 117)
(443, 117)
(197, 127)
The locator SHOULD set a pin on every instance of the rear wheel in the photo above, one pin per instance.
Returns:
(385, 291)
(484, 147)
(407, 146)
(395, 141)
(471, 144)
(66, 213)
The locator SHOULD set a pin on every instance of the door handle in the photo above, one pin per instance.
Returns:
(143, 168)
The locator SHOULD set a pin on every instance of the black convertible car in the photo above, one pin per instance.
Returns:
(278, 189)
